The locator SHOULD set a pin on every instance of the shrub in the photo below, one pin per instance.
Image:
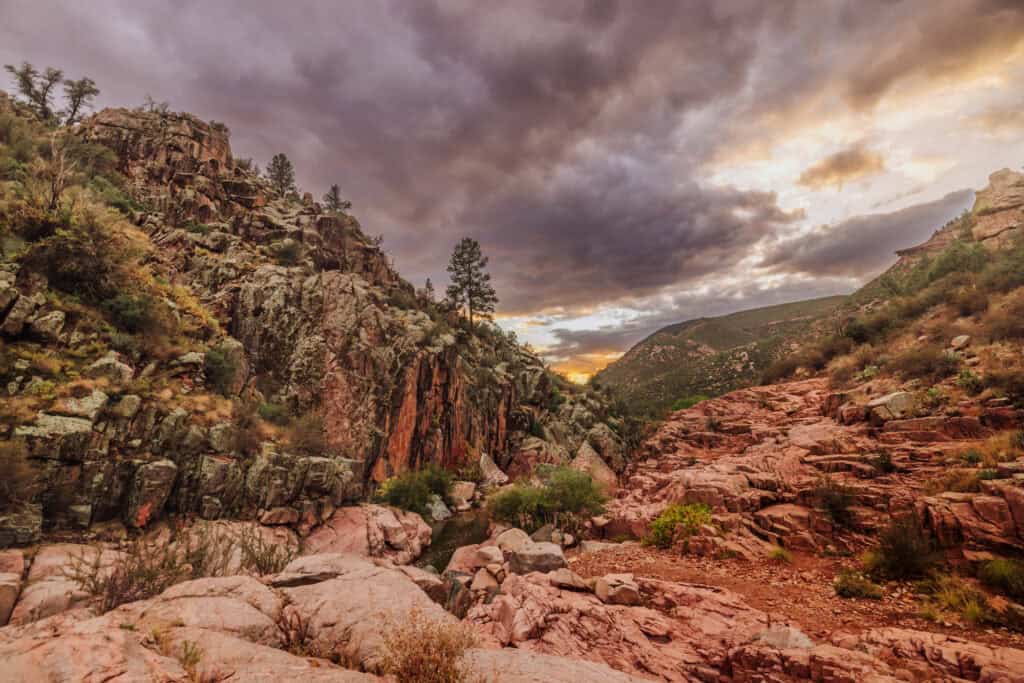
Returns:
(952, 594)
(688, 402)
(780, 555)
(904, 551)
(851, 584)
(132, 313)
(273, 412)
(262, 556)
(77, 259)
(141, 572)
(958, 257)
(1008, 382)
(247, 437)
(419, 649)
(221, 368)
(287, 252)
(564, 498)
(306, 434)
(677, 521)
(1004, 575)
(969, 381)
(929, 362)
(971, 302)
(1006, 322)
(883, 463)
(1006, 273)
(412, 490)
(958, 480)
(835, 499)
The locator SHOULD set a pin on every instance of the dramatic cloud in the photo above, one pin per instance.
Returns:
(865, 244)
(572, 138)
(842, 167)
(1001, 121)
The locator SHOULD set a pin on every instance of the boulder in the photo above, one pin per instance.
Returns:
(608, 445)
(10, 587)
(617, 589)
(150, 488)
(21, 527)
(19, 314)
(88, 407)
(126, 406)
(371, 531)
(48, 326)
(492, 475)
(960, 342)
(567, 579)
(895, 406)
(483, 580)
(536, 557)
(462, 495)
(587, 460)
(111, 367)
(511, 540)
(437, 510)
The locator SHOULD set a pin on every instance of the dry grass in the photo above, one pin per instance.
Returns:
(1001, 447)
(422, 650)
(960, 480)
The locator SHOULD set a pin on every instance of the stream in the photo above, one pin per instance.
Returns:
(464, 528)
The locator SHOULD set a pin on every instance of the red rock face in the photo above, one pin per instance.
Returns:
(762, 453)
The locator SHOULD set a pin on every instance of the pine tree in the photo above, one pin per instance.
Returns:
(428, 291)
(281, 174)
(471, 284)
(79, 94)
(334, 202)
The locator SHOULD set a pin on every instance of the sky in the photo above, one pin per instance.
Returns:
(625, 165)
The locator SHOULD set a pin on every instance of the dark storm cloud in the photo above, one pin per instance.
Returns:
(852, 163)
(569, 137)
(865, 244)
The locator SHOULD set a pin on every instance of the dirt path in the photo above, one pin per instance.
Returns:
(800, 592)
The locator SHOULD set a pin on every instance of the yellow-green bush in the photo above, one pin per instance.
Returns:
(677, 521)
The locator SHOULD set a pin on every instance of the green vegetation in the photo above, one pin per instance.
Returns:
(835, 499)
(677, 521)
(853, 584)
(688, 402)
(564, 498)
(281, 174)
(1004, 575)
(780, 555)
(306, 434)
(675, 362)
(904, 551)
(221, 369)
(470, 288)
(413, 490)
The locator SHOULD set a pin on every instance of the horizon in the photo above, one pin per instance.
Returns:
(625, 169)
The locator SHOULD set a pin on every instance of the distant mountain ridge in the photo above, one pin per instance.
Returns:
(710, 356)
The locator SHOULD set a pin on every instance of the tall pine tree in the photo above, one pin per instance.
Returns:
(334, 202)
(471, 284)
(281, 174)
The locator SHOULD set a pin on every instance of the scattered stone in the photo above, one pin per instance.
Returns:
(483, 580)
(536, 557)
(567, 579)
(960, 342)
(88, 407)
(895, 406)
(511, 540)
(617, 589)
(112, 368)
(48, 326)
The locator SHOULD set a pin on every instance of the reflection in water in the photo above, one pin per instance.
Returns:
(465, 528)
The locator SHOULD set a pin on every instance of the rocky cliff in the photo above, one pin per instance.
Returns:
(229, 351)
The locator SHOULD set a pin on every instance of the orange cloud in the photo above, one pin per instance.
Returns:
(999, 121)
(842, 167)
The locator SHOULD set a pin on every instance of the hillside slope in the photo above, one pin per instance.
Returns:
(710, 356)
(177, 334)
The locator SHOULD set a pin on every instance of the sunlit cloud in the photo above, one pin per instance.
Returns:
(844, 166)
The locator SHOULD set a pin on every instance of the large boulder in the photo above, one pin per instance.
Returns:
(588, 461)
(536, 557)
(895, 406)
(371, 531)
(490, 472)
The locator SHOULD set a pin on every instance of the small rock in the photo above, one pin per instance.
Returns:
(279, 515)
(483, 580)
(437, 510)
(110, 367)
(48, 326)
(492, 474)
(127, 407)
(960, 342)
(489, 554)
(567, 579)
(88, 407)
(511, 540)
(617, 589)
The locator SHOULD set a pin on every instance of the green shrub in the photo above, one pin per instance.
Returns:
(564, 498)
(413, 490)
(952, 594)
(971, 302)
(221, 369)
(835, 499)
(969, 381)
(77, 259)
(1004, 575)
(958, 257)
(883, 463)
(851, 584)
(904, 551)
(287, 252)
(1010, 383)
(132, 313)
(274, 412)
(306, 434)
(688, 402)
(929, 362)
(1007, 322)
(677, 521)
(780, 555)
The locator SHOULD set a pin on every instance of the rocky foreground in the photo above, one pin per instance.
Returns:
(718, 610)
